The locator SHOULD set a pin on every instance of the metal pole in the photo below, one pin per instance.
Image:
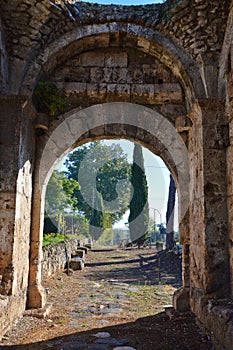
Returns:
(154, 225)
(159, 214)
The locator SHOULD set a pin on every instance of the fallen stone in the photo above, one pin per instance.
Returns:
(102, 335)
(78, 254)
(76, 263)
(84, 249)
(102, 322)
(39, 313)
(110, 310)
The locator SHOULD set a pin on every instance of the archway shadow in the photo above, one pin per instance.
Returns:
(163, 267)
(157, 332)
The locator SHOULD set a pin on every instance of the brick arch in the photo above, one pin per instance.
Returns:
(110, 120)
(145, 39)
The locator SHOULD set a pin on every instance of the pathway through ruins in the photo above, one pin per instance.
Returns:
(117, 302)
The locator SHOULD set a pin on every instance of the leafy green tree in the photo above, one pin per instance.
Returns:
(59, 193)
(76, 224)
(103, 166)
(139, 210)
(59, 198)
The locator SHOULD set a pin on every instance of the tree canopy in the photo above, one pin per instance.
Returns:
(59, 193)
(102, 172)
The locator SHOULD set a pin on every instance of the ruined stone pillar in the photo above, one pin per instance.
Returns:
(229, 109)
(181, 298)
(16, 157)
(215, 142)
(208, 210)
(36, 293)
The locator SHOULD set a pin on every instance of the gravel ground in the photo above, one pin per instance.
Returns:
(121, 292)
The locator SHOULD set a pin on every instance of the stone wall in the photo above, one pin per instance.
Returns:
(55, 257)
(229, 108)
(116, 74)
(3, 61)
(16, 150)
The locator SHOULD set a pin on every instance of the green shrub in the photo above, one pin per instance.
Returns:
(48, 98)
(53, 238)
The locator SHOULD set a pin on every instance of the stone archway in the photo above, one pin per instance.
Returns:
(91, 37)
(192, 53)
(205, 266)
(110, 120)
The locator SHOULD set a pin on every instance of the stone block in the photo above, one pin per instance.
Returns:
(85, 249)
(75, 87)
(92, 59)
(181, 300)
(40, 312)
(116, 59)
(78, 254)
(76, 263)
(96, 74)
(88, 245)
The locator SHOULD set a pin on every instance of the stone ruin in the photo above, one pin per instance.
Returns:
(156, 74)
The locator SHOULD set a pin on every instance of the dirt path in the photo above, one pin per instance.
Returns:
(120, 292)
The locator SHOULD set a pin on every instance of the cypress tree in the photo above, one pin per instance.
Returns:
(139, 210)
(170, 214)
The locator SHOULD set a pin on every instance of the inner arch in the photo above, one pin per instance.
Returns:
(118, 120)
(108, 120)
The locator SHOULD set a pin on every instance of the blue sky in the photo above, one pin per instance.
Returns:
(126, 2)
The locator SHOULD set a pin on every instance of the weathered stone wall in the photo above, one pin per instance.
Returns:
(16, 148)
(119, 75)
(3, 62)
(209, 240)
(228, 65)
(55, 257)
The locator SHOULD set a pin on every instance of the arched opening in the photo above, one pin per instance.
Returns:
(77, 127)
(114, 247)
(156, 174)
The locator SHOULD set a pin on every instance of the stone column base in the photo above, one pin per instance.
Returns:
(181, 300)
(36, 297)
